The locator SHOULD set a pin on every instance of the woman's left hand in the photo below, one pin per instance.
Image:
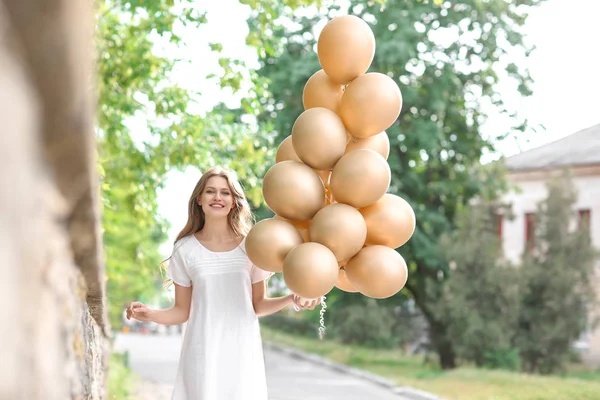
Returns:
(305, 304)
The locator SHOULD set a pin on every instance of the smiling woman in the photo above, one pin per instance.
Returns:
(220, 293)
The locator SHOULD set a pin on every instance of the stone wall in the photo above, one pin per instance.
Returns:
(53, 321)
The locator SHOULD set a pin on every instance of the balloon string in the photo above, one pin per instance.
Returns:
(329, 195)
(322, 318)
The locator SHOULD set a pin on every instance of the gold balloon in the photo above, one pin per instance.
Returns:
(379, 143)
(301, 226)
(321, 91)
(341, 228)
(390, 221)
(293, 190)
(343, 283)
(377, 271)
(360, 178)
(370, 104)
(269, 241)
(286, 151)
(310, 270)
(346, 48)
(319, 138)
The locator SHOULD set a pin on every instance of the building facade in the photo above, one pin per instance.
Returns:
(530, 171)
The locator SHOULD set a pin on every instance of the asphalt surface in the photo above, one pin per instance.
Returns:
(155, 358)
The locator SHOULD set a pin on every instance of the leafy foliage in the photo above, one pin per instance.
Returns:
(295, 325)
(479, 302)
(368, 325)
(445, 60)
(557, 289)
(130, 172)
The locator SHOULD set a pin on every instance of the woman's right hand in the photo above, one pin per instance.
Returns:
(305, 304)
(139, 311)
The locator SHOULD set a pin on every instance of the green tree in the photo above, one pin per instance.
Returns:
(437, 142)
(128, 74)
(557, 282)
(479, 301)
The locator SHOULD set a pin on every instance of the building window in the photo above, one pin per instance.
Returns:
(529, 231)
(584, 220)
(499, 221)
(583, 342)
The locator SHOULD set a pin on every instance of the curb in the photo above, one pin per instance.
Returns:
(406, 391)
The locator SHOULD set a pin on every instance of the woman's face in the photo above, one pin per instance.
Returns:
(217, 198)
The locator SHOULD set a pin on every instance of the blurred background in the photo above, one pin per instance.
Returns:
(497, 149)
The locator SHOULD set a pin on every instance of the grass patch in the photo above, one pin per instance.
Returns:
(465, 383)
(122, 382)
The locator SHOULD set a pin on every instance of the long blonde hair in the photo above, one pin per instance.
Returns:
(240, 218)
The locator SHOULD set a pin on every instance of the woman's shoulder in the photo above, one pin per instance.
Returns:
(184, 244)
(185, 239)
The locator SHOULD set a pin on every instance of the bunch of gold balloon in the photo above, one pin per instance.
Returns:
(335, 224)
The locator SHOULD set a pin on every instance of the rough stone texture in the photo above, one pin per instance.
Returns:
(96, 357)
(53, 321)
(54, 42)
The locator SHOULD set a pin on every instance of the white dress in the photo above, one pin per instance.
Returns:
(221, 355)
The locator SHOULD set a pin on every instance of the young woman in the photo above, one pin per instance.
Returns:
(220, 293)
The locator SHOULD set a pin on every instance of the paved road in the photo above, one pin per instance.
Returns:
(155, 359)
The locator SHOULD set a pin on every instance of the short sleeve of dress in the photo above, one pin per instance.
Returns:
(177, 268)
(258, 275)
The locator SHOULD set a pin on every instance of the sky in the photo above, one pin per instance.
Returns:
(565, 67)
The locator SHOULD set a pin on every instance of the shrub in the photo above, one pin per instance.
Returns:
(508, 359)
(293, 325)
(121, 380)
(367, 325)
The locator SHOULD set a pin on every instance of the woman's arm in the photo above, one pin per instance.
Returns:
(175, 315)
(265, 306)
